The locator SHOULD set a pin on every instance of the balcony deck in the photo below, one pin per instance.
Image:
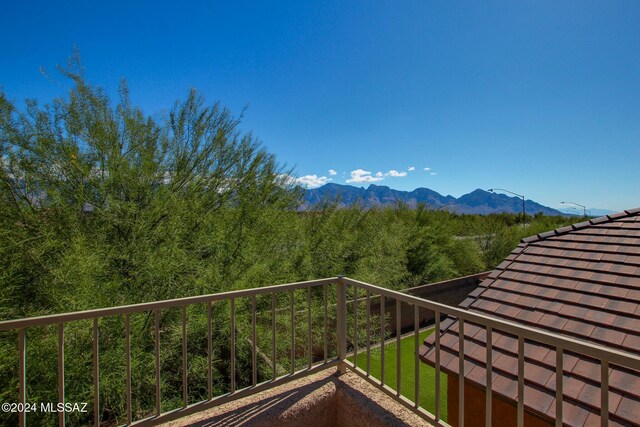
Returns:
(325, 399)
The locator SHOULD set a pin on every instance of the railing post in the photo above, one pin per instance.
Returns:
(22, 375)
(341, 319)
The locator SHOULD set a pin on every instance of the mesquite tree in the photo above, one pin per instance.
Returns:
(100, 200)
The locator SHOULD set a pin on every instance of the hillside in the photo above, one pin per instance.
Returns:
(476, 202)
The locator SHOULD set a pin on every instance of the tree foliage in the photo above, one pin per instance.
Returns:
(102, 200)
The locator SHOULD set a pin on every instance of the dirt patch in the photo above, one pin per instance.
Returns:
(321, 400)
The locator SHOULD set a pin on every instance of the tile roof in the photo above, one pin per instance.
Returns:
(581, 281)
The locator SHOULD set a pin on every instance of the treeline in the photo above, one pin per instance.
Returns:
(101, 205)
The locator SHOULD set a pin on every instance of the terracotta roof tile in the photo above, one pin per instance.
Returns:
(627, 281)
(471, 329)
(530, 316)
(578, 328)
(608, 335)
(479, 375)
(634, 295)
(526, 300)
(613, 291)
(494, 274)
(569, 361)
(563, 230)
(593, 301)
(565, 283)
(618, 215)
(624, 269)
(506, 386)
(621, 306)
(547, 234)
(623, 381)
(582, 281)
(546, 292)
(576, 414)
(503, 265)
(571, 386)
(628, 408)
(629, 323)
(593, 420)
(580, 225)
(536, 351)
(540, 373)
(608, 260)
(508, 311)
(587, 286)
(467, 302)
(552, 322)
(568, 296)
(600, 317)
(540, 400)
(632, 341)
(506, 364)
(575, 311)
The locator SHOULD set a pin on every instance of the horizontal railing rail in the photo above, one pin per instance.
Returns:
(53, 319)
(60, 321)
(350, 297)
(568, 343)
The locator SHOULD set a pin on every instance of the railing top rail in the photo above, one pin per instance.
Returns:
(567, 343)
(9, 325)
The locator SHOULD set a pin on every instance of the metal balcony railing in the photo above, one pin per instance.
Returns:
(340, 302)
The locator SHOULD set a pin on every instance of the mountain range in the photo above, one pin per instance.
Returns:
(477, 202)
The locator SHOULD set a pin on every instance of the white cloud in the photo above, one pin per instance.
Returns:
(286, 179)
(312, 181)
(332, 172)
(361, 175)
(411, 168)
(395, 173)
(307, 181)
(427, 169)
(434, 173)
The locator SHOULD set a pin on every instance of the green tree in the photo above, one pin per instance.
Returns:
(102, 197)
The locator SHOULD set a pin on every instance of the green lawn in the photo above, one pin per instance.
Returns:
(407, 357)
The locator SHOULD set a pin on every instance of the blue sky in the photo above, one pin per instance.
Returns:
(538, 97)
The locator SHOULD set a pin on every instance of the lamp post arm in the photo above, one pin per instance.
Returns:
(584, 208)
(491, 190)
(506, 191)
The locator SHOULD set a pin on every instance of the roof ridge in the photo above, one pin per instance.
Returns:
(581, 225)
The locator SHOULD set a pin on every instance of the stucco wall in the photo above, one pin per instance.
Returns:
(449, 292)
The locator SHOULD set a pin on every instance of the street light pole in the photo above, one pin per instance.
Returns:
(584, 209)
(493, 190)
